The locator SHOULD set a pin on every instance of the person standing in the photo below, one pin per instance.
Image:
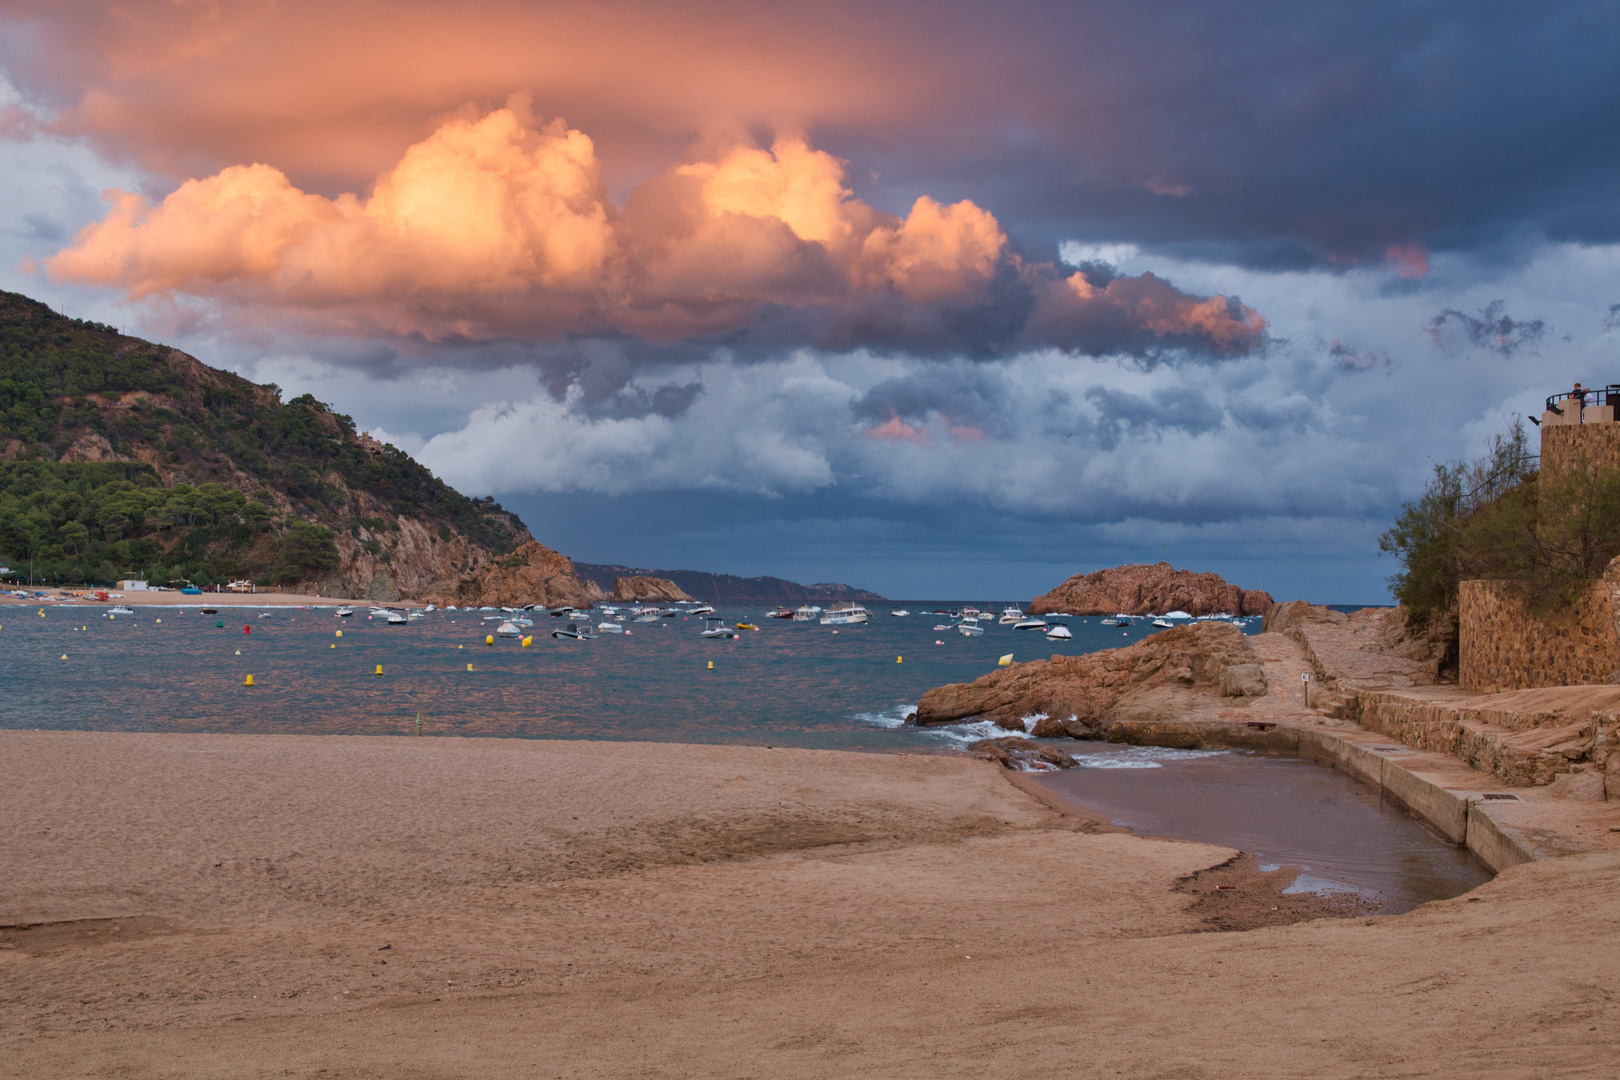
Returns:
(1577, 398)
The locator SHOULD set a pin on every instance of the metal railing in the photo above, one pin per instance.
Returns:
(1609, 395)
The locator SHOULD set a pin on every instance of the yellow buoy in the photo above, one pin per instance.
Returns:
(899, 659)
(331, 646)
(1005, 661)
(489, 639)
(64, 656)
(340, 633)
(249, 681)
(469, 667)
(238, 652)
(160, 620)
(379, 669)
(711, 663)
(526, 642)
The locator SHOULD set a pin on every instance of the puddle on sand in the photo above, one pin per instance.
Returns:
(1287, 811)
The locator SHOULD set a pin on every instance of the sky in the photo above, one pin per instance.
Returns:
(940, 300)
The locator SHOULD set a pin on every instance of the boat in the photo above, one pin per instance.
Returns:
(970, 628)
(747, 626)
(1028, 624)
(508, 629)
(847, 615)
(396, 619)
(807, 613)
(266, 615)
(1058, 632)
(576, 631)
(779, 613)
(342, 612)
(1010, 616)
(701, 609)
(1163, 624)
(718, 630)
(610, 628)
(646, 617)
(899, 613)
(122, 610)
(209, 610)
(971, 613)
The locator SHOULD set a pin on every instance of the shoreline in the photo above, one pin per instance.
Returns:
(178, 600)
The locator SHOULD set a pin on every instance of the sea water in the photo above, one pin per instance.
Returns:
(786, 684)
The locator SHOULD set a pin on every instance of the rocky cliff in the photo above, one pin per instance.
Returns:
(638, 587)
(1082, 696)
(533, 574)
(1150, 590)
(121, 457)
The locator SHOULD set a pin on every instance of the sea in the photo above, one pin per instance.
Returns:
(77, 667)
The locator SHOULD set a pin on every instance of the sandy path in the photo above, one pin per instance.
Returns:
(278, 906)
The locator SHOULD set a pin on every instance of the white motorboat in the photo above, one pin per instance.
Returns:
(1058, 632)
(1163, 624)
(122, 610)
(900, 613)
(783, 612)
(508, 629)
(807, 613)
(267, 615)
(610, 628)
(1010, 616)
(701, 609)
(344, 612)
(396, 619)
(846, 615)
(971, 613)
(1027, 624)
(576, 631)
(719, 629)
(646, 617)
(970, 628)
(1182, 615)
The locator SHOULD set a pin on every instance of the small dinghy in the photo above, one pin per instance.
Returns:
(1058, 632)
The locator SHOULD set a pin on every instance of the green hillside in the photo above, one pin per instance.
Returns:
(119, 457)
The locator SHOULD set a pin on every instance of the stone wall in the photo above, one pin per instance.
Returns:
(1505, 646)
(1565, 445)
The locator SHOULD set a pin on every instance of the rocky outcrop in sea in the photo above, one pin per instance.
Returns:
(1082, 696)
(1140, 589)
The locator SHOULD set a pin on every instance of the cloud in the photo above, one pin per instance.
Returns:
(1489, 329)
(1346, 358)
(494, 226)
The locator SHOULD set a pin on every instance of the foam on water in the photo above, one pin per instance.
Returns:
(1137, 757)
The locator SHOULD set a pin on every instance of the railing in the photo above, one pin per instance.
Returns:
(1609, 395)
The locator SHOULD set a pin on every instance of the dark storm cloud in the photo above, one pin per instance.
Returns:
(1490, 328)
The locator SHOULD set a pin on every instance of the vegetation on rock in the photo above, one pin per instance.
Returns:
(122, 458)
(1499, 518)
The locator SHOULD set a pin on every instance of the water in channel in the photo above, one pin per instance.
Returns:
(1288, 811)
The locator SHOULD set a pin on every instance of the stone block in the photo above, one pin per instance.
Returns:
(1243, 680)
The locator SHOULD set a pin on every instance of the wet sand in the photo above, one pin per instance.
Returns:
(253, 906)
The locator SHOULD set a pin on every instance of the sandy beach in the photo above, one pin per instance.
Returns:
(176, 599)
(255, 906)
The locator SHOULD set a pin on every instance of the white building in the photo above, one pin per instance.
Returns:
(131, 585)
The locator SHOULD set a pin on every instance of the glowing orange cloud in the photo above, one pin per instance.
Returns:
(1409, 260)
(489, 212)
(897, 430)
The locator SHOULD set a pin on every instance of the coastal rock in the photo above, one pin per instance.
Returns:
(1148, 590)
(648, 588)
(1292, 614)
(1022, 755)
(1083, 695)
(533, 574)
(1243, 680)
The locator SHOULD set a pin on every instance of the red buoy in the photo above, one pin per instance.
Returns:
(247, 629)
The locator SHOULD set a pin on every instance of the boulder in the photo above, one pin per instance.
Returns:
(629, 589)
(1150, 590)
(1022, 755)
(1079, 694)
(1292, 614)
(1243, 680)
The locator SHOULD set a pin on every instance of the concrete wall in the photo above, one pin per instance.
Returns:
(1504, 646)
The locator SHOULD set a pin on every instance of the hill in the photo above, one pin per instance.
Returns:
(729, 588)
(124, 458)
